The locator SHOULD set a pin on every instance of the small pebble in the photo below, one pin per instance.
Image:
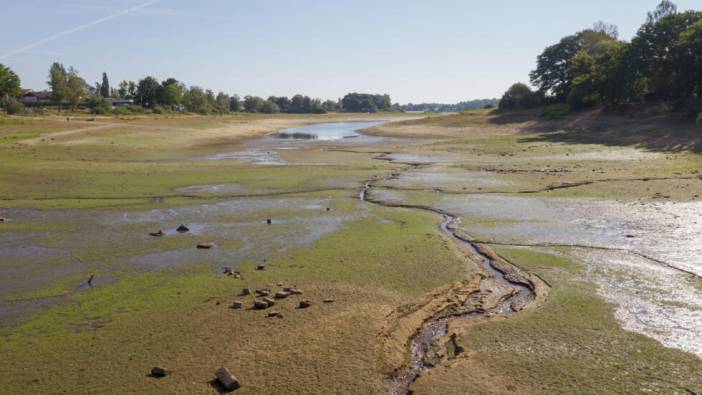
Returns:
(158, 371)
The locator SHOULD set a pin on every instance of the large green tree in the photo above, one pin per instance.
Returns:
(222, 103)
(519, 96)
(603, 77)
(655, 55)
(105, 86)
(126, 90)
(234, 103)
(270, 107)
(195, 100)
(170, 93)
(282, 102)
(76, 88)
(147, 90)
(58, 81)
(553, 74)
(9, 82)
(253, 103)
(365, 102)
(689, 46)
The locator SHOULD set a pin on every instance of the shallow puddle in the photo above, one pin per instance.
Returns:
(337, 131)
(667, 231)
(112, 241)
(250, 155)
(266, 150)
(216, 189)
(446, 179)
(651, 299)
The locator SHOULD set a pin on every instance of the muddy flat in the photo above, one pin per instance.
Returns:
(451, 254)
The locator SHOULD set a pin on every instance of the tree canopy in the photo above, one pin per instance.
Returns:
(519, 96)
(662, 62)
(147, 91)
(105, 86)
(365, 102)
(9, 82)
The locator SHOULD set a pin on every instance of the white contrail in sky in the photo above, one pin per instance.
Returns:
(76, 29)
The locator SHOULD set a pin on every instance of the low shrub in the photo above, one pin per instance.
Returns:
(12, 105)
(160, 110)
(100, 106)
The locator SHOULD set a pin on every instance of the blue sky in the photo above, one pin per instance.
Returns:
(440, 50)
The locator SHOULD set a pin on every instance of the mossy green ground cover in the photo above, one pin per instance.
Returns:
(402, 257)
(370, 260)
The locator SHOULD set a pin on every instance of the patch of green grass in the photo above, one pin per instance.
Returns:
(4, 139)
(14, 121)
(404, 253)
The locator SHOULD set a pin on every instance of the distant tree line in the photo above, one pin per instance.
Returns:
(458, 107)
(593, 67)
(70, 90)
(365, 102)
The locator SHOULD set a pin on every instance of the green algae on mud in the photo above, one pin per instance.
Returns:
(404, 256)
(372, 261)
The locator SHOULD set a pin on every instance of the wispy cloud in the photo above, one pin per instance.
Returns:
(76, 29)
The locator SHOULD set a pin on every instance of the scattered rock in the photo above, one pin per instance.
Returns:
(158, 371)
(328, 300)
(630, 236)
(227, 379)
(281, 295)
(261, 267)
(237, 305)
(270, 301)
(328, 209)
(304, 304)
(245, 291)
(263, 292)
(293, 291)
(260, 304)
(3, 219)
(280, 284)
(269, 221)
(182, 229)
(228, 271)
(274, 314)
(205, 246)
(157, 234)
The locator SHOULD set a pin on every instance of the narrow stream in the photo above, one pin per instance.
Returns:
(434, 330)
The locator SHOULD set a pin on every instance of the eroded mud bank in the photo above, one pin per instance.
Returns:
(502, 290)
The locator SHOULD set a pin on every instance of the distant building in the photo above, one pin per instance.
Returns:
(120, 102)
(28, 96)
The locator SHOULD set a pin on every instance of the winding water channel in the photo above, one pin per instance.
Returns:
(433, 330)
